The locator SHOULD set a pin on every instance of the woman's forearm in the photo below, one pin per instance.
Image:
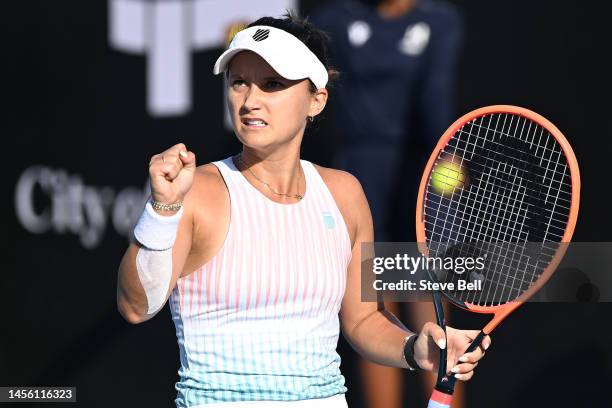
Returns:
(149, 270)
(379, 337)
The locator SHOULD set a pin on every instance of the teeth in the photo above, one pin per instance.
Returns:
(256, 122)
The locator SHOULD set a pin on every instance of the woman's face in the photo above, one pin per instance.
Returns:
(266, 109)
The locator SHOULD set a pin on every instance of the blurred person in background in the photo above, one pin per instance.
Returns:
(394, 100)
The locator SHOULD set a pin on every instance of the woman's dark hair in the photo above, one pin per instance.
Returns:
(314, 38)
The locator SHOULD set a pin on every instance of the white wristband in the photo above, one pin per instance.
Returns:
(155, 231)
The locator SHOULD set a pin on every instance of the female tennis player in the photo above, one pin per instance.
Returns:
(259, 254)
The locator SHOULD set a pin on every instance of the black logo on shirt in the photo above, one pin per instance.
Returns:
(261, 35)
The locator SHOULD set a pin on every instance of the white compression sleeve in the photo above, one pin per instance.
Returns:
(155, 272)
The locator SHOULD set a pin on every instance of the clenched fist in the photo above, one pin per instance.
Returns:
(171, 174)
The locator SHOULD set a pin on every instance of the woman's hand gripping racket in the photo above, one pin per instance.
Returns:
(502, 184)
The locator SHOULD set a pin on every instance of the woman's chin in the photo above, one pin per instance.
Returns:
(255, 140)
(262, 140)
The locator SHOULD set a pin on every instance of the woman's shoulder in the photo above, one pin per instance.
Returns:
(340, 181)
(207, 170)
(349, 197)
(208, 176)
(208, 188)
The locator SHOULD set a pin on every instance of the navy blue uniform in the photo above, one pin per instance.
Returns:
(396, 85)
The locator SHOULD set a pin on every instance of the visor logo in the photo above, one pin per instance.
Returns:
(261, 35)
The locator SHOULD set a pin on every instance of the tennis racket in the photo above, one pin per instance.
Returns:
(502, 184)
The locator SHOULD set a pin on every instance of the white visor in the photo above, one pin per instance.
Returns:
(290, 57)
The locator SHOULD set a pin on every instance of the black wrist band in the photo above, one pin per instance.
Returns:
(409, 353)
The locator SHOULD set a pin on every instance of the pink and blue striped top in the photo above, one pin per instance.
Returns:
(259, 321)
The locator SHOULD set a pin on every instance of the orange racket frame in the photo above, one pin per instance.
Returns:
(501, 311)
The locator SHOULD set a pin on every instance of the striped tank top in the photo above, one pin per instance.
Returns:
(259, 321)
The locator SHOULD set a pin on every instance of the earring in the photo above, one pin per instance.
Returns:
(311, 118)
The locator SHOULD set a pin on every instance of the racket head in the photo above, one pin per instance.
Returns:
(503, 145)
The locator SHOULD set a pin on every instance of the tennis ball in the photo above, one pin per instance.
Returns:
(446, 177)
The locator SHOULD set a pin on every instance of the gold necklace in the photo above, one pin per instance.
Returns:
(297, 196)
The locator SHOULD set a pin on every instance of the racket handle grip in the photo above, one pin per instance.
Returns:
(439, 399)
(475, 343)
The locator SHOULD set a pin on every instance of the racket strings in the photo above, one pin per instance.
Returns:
(505, 195)
(532, 188)
(517, 192)
(513, 155)
(503, 200)
(559, 223)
